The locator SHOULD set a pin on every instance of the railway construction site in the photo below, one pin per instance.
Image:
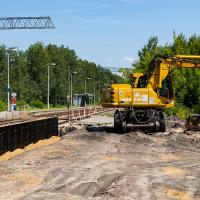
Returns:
(89, 110)
(92, 161)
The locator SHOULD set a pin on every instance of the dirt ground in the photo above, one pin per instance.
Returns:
(96, 163)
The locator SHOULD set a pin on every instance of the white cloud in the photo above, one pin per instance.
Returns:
(129, 59)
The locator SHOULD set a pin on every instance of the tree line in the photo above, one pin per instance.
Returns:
(186, 81)
(29, 73)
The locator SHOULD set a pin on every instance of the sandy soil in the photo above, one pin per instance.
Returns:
(96, 163)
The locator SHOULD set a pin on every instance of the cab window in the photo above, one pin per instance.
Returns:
(142, 82)
(166, 90)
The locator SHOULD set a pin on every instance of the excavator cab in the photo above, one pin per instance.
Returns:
(138, 80)
(134, 79)
(142, 82)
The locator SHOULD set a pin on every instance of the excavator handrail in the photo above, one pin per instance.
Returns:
(188, 56)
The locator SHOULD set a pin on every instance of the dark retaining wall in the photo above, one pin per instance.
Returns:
(20, 135)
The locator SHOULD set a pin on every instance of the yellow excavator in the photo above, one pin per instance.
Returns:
(141, 103)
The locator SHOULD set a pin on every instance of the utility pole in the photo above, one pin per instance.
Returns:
(8, 84)
(86, 84)
(48, 89)
(8, 75)
(8, 23)
(48, 84)
(94, 93)
(71, 89)
(71, 75)
(99, 90)
(69, 86)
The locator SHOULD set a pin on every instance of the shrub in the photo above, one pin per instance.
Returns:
(2, 106)
(37, 104)
(21, 103)
(179, 110)
(196, 109)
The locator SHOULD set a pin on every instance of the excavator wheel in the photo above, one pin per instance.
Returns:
(117, 122)
(124, 127)
(163, 122)
(119, 125)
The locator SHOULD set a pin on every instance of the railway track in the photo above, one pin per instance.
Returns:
(79, 114)
(64, 116)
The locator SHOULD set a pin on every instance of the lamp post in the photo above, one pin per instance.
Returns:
(69, 88)
(86, 88)
(99, 89)
(94, 96)
(8, 75)
(86, 84)
(95, 92)
(52, 64)
(71, 96)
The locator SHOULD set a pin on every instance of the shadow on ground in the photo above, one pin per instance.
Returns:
(110, 129)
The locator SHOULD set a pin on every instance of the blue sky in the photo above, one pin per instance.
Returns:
(107, 32)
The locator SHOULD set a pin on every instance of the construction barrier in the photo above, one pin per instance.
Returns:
(20, 135)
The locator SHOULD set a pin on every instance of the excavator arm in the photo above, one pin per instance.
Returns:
(161, 66)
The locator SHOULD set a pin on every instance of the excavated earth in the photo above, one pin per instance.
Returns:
(97, 163)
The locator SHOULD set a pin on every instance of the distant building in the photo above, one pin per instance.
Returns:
(82, 100)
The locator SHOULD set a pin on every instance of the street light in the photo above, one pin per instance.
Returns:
(95, 92)
(8, 75)
(94, 96)
(86, 84)
(86, 88)
(52, 64)
(71, 96)
(99, 89)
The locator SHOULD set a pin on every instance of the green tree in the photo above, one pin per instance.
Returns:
(37, 64)
(186, 81)
(29, 73)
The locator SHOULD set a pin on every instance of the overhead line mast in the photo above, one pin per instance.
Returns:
(7, 23)
(11, 23)
(117, 69)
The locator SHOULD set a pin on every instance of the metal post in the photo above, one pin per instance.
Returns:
(48, 89)
(94, 92)
(48, 84)
(85, 86)
(69, 87)
(8, 84)
(99, 92)
(71, 90)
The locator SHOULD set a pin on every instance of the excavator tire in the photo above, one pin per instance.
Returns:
(119, 125)
(163, 122)
(117, 122)
(124, 127)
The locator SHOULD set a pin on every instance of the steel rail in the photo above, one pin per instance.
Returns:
(64, 116)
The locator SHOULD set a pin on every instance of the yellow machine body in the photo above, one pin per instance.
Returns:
(142, 102)
(123, 95)
(127, 95)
